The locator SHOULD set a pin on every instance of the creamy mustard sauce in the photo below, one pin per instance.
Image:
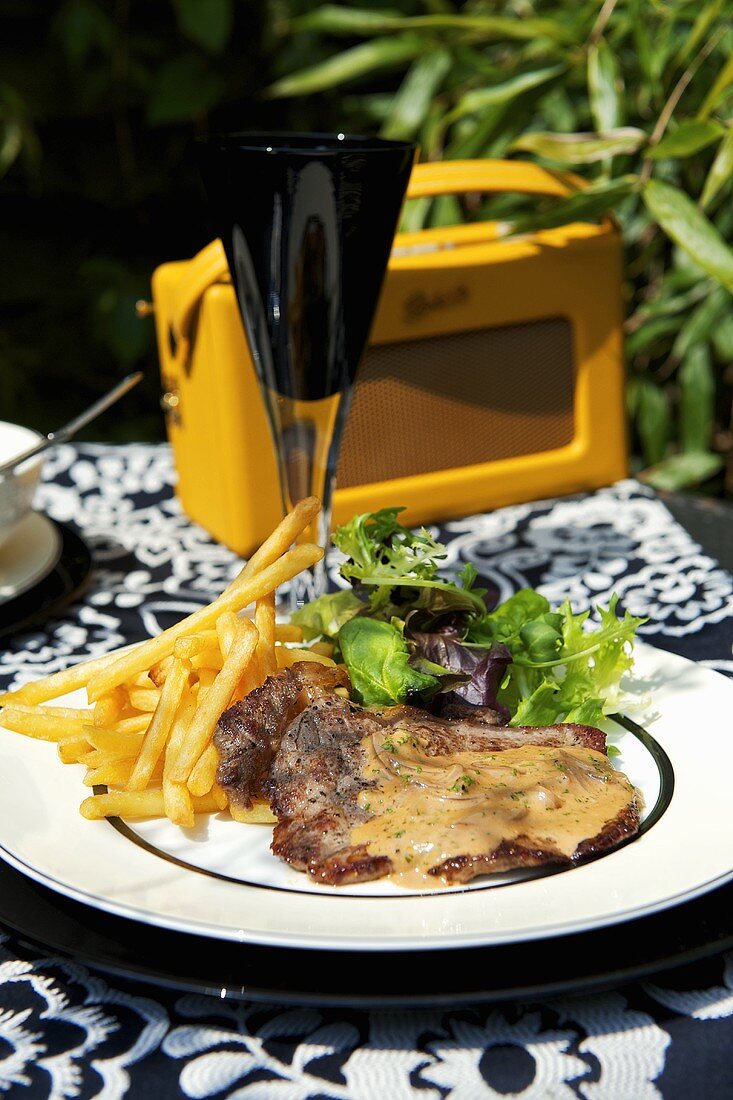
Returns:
(426, 812)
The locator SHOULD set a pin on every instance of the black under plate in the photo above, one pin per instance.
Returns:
(63, 583)
(569, 964)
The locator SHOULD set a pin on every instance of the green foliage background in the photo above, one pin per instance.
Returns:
(99, 100)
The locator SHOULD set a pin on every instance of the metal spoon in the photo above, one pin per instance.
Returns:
(69, 430)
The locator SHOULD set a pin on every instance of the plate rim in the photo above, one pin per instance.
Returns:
(64, 583)
(296, 994)
(50, 560)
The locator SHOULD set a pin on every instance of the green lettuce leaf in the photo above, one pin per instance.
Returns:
(574, 676)
(381, 552)
(505, 623)
(396, 568)
(538, 709)
(324, 616)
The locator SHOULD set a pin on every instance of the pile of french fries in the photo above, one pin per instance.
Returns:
(147, 737)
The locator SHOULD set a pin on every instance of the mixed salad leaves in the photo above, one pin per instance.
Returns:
(408, 635)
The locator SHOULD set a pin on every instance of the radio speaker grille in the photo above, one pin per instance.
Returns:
(458, 400)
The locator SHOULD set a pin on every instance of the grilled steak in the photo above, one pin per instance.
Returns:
(362, 794)
(249, 733)
(314, 784)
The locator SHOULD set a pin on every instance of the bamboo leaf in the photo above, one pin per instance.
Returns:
(446, 211)
(497, 95)
(369, 57)
(722, 338)
(653, 421)
(581, 148)
(11, 142)
(697, 400)
(720, 172)
(604, 86)
(654, 331)
(414, 215)
(638, 9)
(479, 133)
(590, 203)
(690, 229)
(703, 320)
(707, 15)
(689, 137)
(682, 471)
(83, 27)
(720, 86)
(412, 102)
(208, 23)
(185, 88)
(375, 107)
(330, 19)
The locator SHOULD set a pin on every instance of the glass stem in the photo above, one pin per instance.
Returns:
(307, 438)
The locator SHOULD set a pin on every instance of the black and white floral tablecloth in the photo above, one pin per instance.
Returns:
(66, 1031)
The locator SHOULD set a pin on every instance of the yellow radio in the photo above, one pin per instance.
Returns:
(494, 372)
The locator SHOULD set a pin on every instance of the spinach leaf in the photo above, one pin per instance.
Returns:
(377, 657)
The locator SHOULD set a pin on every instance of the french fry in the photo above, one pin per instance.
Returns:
(178, 804)
(208, 658)
(141, 680)
(58, 683)
(97, 758)
(72, 749)
(123, 739)
(136, 723)
(136, 805)
(265, 623)
(116, 773)
(41, 726)
(160, 727)
(115, 742)
(145, 699)
(196, 643)
(214, 702)
(108, 708)
(176, 797)
(219, 795)
(159, 672)
(288, 632)
(232, 599)
(324, 648)
(206, 677)
(179, 729)
(49, 712)
(258, 814)
(287, 656)
(203, 774)
(284, 535)
(227, 628)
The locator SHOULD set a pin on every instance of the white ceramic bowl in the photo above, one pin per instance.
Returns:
(18, 487)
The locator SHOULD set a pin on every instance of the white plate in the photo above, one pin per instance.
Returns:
(221, 880)
(28, 555)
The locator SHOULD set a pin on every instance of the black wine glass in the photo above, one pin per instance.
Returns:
(307, 222)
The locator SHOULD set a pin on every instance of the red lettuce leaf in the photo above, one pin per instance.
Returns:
(484, 665)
